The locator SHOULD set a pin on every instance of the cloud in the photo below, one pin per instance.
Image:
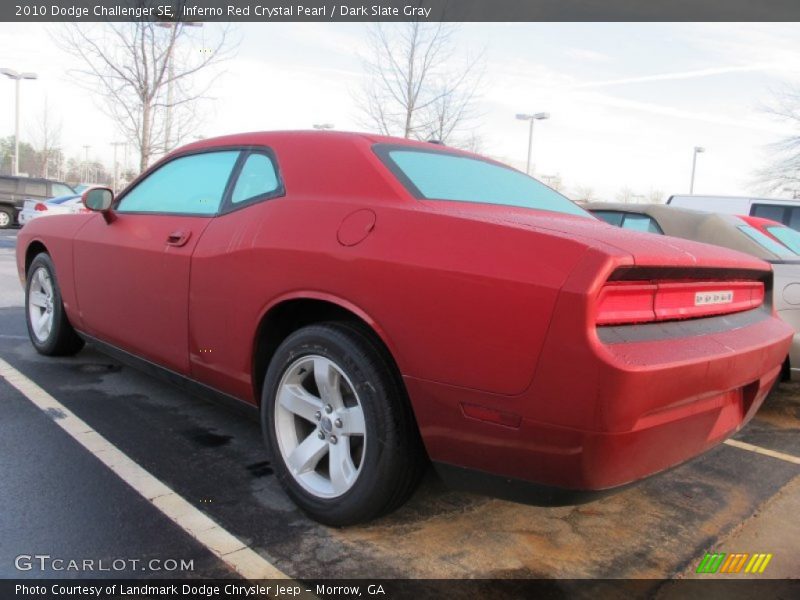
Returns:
(587, 55)
(678, 75)
(670, 111)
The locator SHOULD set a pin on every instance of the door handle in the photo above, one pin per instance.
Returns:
(178, 238)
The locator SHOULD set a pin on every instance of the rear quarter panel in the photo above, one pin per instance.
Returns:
(456, 301)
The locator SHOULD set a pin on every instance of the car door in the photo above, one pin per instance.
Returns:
(132, 273)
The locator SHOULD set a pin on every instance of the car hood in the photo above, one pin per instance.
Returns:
(645, 249)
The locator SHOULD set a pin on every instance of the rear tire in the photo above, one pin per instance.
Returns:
(48, 326)
(333, 408)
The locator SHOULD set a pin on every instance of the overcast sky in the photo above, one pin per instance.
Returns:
(628, 102)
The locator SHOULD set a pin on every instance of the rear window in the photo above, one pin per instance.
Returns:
(641, 223)
(443, 176)
(788, 237)
(609, 216)
(794, 218)
(632, 221)
(768, 211)
(767, 242)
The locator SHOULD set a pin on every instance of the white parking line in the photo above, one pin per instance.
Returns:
(227, 547)
(759, 450)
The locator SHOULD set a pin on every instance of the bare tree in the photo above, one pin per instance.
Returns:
(626, 194)
(655, 197)
(584, 193)
(413, 88)
(46, 141)
(553, 181)
(472, 142)
(783, 172)
(146, 74)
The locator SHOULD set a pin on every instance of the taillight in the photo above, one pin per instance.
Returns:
(40, 207)
(623, 302)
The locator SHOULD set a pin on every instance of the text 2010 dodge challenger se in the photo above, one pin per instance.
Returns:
(383, 302)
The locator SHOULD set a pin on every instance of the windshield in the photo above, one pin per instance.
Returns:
(433, 175)
(767, 242)
(787, 236)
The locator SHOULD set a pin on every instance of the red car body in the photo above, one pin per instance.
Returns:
(490, 313)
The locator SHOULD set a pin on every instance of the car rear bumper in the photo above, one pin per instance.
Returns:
(616, 412)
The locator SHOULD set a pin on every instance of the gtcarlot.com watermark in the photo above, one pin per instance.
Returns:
(46, 562)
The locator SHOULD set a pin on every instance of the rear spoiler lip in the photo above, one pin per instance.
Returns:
(647, 273)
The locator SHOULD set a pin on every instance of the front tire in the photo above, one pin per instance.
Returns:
(6, 217)
(48, 327)
(339, 426)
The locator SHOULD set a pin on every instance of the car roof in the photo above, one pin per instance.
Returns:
(314, 162)
(309, 136)
(711, 228)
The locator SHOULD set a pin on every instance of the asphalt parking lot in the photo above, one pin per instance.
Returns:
(59, 499)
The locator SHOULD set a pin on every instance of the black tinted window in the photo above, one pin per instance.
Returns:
(794, 218)
(768, 211)
(641, 223)
(609, 216)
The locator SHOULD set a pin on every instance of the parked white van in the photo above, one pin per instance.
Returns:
(778, 209)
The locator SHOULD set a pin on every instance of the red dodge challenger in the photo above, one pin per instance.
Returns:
(383, 302)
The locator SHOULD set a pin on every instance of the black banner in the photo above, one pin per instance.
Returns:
(398, 589)
(399, 10)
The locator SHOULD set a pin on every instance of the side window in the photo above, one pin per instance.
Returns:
(257, 178)
(768, 211)
(192, 185)
(35, 188)
(641, 223)
(794, 218)
(609, 216)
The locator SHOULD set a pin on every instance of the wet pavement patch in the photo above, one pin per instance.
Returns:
(260, 469)
(55, 413)
(206, 437)
(97, 369)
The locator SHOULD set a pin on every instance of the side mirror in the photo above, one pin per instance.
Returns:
(99, 200)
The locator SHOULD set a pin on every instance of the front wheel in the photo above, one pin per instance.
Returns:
(48, 327)
(6, 217)
(339, 426)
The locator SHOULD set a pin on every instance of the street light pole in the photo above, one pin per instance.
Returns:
(12, 74)
(86, 162)
(531, 117)
(697, 150)
(116, 165)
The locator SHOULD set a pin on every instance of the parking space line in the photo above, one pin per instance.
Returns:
(766, 452)
(224, 545)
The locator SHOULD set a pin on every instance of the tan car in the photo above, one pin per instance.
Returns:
(729, 231)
